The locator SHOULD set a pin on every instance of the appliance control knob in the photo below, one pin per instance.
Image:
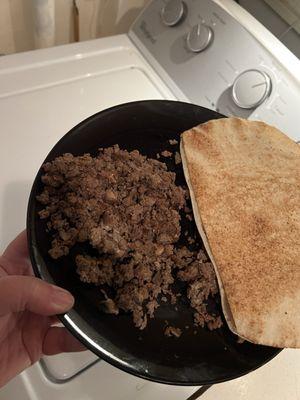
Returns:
(251, 88)
(173, 12)
(199, 38)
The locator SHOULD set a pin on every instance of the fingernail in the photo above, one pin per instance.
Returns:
(61, 299)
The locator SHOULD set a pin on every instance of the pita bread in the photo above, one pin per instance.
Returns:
(244, 181)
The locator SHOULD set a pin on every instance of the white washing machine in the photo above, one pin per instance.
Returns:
(212, 53)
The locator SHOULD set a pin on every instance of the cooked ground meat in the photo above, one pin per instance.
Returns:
(127, 207)
(110, 306)
(190, 240)
(166, 153)
(177, 158)
(172, 331)
(199, 273)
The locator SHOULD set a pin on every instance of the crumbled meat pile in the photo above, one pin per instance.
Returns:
(199, 273)
(127, 207)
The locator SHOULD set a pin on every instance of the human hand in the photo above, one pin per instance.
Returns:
(27, 313)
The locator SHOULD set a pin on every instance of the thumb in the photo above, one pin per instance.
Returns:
(20, 293)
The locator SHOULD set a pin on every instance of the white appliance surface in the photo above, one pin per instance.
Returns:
(45, 93)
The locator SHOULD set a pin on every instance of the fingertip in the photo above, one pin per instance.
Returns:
(61, 299)
(19, 293)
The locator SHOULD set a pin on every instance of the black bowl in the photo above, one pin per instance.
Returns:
(199, 356)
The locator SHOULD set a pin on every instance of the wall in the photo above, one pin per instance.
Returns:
(97, 18)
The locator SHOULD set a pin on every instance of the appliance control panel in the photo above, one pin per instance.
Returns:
(208, 58)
